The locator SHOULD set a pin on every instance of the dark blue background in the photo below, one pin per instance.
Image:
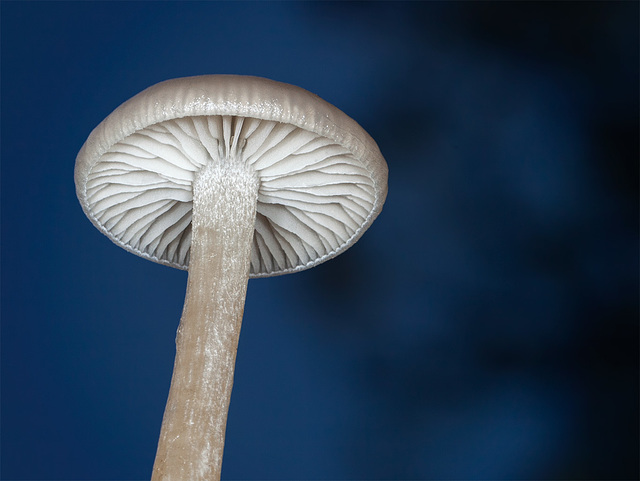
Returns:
(485, 327)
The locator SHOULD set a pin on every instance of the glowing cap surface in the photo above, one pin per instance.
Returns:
(322, 178)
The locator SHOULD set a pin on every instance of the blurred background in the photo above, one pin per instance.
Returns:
(485, 327)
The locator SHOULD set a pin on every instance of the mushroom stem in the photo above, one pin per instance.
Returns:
(193, 428)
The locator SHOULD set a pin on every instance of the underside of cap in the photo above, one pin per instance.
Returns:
(322, 178)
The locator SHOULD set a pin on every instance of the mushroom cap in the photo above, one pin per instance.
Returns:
(322, 178)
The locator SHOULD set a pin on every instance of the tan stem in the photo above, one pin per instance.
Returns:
(193, 428)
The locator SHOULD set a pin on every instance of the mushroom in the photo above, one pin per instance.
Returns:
(229, 177)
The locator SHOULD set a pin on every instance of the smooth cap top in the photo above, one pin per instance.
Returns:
(322, 178)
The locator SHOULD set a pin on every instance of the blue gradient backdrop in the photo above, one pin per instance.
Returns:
(486, 327)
